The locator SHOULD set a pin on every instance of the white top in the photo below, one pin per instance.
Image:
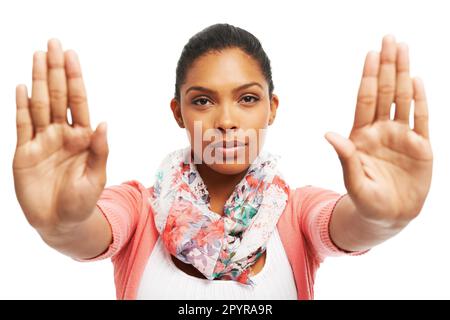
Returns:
(163, 280)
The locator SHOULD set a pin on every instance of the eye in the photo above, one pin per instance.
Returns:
(200, 101)
(248, 99)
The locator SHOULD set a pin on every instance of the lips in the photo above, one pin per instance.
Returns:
(228, 144)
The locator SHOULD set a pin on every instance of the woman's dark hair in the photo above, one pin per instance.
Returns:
(215, 38)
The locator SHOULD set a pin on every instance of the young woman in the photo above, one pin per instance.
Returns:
(219, 221)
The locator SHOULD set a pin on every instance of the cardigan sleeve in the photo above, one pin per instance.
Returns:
(316, 206)
(120, 204)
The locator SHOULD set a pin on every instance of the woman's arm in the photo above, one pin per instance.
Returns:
(85, 240)
(59, 168)
(350, 231)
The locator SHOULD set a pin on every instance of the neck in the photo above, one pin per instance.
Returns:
(219, 185)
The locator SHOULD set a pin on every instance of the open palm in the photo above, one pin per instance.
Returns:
(59, 168)
(387, 165)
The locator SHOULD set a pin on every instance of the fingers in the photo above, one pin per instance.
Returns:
(40, 104)
(367, 94)
(420, 109)
(384, 83)
(57, 83)
(404, 86)
(98, 155)
(386, 78)
(351, 164)
(57, 86)
(23, 117)
(77, 93)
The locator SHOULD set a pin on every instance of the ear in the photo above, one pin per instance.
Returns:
(273, 108)
(176, 110)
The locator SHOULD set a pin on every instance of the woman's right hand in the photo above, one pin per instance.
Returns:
(59, 168)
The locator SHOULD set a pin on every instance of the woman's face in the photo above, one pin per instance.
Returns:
(225, 107)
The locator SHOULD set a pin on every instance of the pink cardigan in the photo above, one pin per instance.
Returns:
(303, 229)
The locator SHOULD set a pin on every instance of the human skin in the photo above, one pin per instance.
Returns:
(223, 108)
(386, 165)
(226, 111)
(59, 168)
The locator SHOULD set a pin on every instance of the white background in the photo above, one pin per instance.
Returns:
(128, 51)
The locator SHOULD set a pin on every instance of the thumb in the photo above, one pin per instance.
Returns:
(351, 164)
(98, 155)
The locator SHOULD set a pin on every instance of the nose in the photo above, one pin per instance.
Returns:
(226, 119)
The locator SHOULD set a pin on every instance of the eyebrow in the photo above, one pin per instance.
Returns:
(244, 86)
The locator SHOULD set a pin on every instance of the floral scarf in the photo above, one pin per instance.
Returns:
(220, 247)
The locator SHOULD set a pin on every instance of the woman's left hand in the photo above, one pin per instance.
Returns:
(387, 165)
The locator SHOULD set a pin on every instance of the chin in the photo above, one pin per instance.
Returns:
(230, 168)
